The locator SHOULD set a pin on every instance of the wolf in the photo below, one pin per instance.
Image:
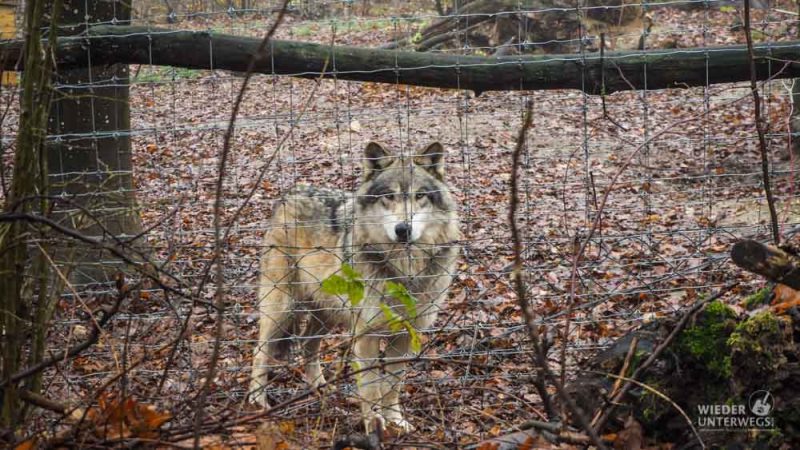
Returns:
(401, 224)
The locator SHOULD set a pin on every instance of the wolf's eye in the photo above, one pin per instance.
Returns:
(421, 195)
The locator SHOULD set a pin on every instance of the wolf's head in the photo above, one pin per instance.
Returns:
(404, 200)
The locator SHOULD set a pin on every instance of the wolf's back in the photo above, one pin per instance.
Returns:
(304, 236)
(311, 207)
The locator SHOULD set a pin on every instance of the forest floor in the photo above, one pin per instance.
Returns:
(692, 190)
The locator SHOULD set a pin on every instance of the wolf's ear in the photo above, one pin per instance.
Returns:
(376, 159)
(432, 160)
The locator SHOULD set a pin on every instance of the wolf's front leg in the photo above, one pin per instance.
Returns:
(397, 351)
(368, 380)
(273, 340)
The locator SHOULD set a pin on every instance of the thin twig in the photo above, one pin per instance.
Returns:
(516, 273)
(540, 352)
(219, 298)
(659, 394)
(622, 371)
(145, 268)
(762, 141)
(108, 313)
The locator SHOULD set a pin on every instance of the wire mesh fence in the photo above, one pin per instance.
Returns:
(660, 182)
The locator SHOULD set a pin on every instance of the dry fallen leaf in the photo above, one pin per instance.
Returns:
(115, 418)
(271, 436)
(30, 444)
(785, 298)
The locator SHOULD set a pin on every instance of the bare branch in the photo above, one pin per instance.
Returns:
(94, 335)
(540, 351)
(760, 126)
(42, 402)
(219, 297)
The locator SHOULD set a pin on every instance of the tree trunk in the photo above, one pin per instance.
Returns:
(21, 271)
(89, 160)
(794, 121)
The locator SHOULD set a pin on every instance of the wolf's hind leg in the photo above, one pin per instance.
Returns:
(275, 326)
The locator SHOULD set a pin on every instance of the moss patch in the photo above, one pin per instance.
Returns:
(707, 340)
(166, 74)
(761, 325)
(759, 298)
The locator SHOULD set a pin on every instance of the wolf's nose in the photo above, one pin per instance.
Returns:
(403, 231)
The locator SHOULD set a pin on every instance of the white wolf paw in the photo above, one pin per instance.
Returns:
(257, 395)
(394, 423)
(401, 424)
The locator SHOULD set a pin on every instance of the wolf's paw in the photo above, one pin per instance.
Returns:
(395, 420)
(394, 423)
(401, 425)
(257, 395)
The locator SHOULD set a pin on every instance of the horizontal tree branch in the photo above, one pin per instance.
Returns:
(615, 71)
(43, 402)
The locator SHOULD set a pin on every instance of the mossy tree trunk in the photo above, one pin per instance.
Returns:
(794, 121)
(24, 298)
(89, 154)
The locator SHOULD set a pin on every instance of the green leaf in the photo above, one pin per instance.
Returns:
(397, 323)
(351, 285)
(355, 292)
(356, 367)
(414, 343)
(394, 322)
(350, 273)
(400, 292)
(335, 285)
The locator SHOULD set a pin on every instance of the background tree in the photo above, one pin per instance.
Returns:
(89, 158)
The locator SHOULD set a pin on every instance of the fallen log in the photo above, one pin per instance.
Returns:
(594, 74)
(544, 26)
(770, 262)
